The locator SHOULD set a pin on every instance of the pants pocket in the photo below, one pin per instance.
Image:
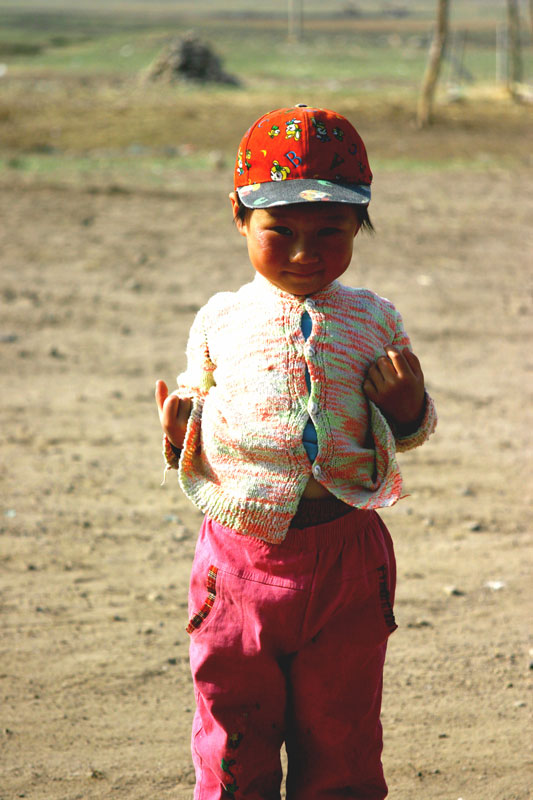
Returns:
(385, 598)
(369, 615)
(204, 608)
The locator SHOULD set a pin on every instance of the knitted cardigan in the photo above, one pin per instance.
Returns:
(243, 461)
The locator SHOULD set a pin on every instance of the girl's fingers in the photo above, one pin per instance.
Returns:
(161, 394)
(413, 362)
(405, 362)
(385, 368)
(170, 411)
(369, 388)
(399, 361)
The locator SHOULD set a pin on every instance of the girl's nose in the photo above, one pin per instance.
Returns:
(304, 252)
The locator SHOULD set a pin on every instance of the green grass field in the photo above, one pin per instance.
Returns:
(72, 101)
(123, 37)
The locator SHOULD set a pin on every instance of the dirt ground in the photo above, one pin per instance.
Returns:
(99, 288)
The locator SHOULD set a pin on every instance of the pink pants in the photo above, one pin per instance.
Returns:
(287, 645)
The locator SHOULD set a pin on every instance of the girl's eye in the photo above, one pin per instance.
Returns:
(282, 230)
(328, 231)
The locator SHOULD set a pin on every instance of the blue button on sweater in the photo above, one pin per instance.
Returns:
(309, 435)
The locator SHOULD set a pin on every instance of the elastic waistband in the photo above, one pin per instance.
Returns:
(323, 534)
(318, 512)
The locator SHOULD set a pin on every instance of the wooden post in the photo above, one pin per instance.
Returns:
(501, 54)
(295, 11)
(436, 50)
(514, 57)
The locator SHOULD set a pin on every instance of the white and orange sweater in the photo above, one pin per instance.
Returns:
(243, 461)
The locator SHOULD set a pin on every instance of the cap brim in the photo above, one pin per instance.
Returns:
(305, 190)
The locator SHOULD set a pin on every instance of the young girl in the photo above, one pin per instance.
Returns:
(284, 428)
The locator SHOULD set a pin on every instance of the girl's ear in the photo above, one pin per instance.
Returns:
(239, 223)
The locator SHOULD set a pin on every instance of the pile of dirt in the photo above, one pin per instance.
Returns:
(189, 59)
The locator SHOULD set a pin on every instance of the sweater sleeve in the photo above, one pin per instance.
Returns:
(425, 428)
(198, 378)
(428, 420)
(194, 383)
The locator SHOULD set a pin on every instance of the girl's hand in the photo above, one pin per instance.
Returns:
(395, 383)
(173, 413)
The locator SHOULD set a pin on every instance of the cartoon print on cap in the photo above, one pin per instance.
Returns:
(312, 195)
(247, 162)
(293, 130)
(278, 173)
(321, 131)
(259, 202)
(295, 144)
(244, 191)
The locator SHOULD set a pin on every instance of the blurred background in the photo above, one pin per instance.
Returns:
(84, 87)
(119, 122)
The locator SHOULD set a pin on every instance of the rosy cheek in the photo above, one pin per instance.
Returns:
(270, 245)
(263, 240)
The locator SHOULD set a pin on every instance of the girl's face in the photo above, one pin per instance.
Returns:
(300, 248)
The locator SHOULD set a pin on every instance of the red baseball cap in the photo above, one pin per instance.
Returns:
(302, 154)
